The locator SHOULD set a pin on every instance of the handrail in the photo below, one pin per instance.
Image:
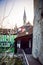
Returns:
(25, 57)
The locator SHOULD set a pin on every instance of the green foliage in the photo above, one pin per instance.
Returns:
(18, 61)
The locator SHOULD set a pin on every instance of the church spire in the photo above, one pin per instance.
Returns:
(24, 17)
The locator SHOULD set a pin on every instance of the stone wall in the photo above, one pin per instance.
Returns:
(37, 50)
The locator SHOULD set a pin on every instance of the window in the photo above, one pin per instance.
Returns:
(18, 44)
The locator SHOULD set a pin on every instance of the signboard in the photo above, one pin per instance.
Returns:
(6, 41)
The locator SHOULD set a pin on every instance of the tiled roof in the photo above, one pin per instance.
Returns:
(7, 31)
(25, 30)
(21, 31)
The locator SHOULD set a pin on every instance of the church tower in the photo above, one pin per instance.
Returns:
(24, 17)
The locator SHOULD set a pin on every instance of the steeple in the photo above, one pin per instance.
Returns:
(24, 17)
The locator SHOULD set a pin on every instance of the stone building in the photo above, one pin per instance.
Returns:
(37, 50)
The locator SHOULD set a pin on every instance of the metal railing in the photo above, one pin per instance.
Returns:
(25, 58)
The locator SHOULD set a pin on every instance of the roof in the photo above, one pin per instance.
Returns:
(7, 31)
(25, 30)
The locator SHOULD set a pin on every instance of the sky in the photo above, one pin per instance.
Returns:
(11, 12)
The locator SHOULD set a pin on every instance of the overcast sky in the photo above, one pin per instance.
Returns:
(12, 12)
